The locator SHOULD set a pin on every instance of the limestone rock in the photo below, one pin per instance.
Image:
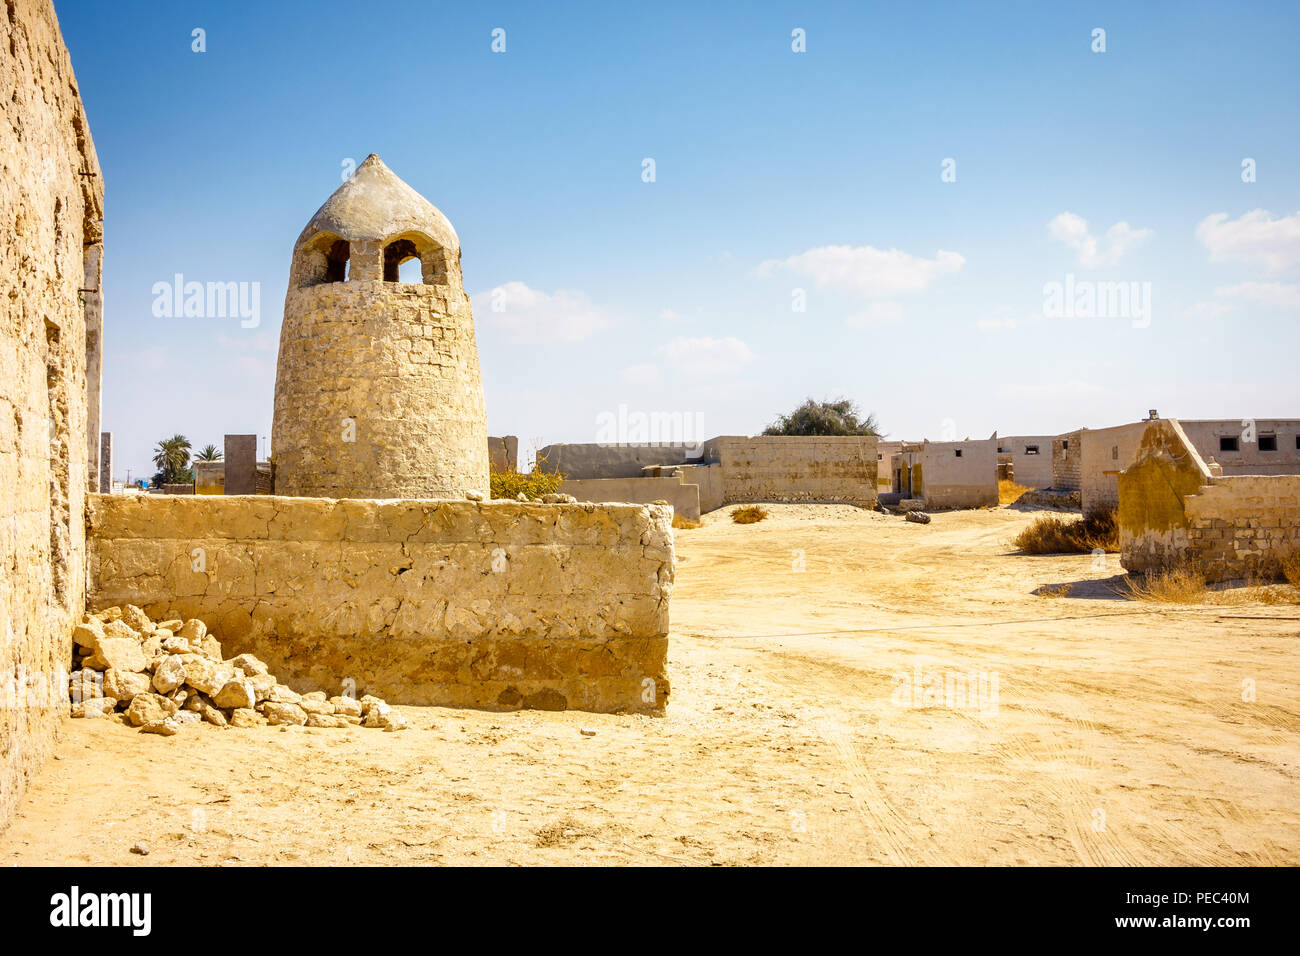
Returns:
(120, 629)
(118, 653)
(244, 717)
(169, 674)
(172, 625)
(284, 695)
(290, 714)
(152, 648)
(211, 648)
(263, 687)
(206, 675)
(149, 708)
(167, 727)
(186, 717)
(556, 498)
(86, 684)
(174, 645)
(249, 664)
(125, 685)
(324, 720)
(210, 712)
(919, 517)
(88, 634)
(313, 705)
(236, 693)
(382, 715)
(346, 706)
(369, 701)
(109, 614)
(193, 631)
(474, 495)
(135, 618)
(180, 695)
(94, 707)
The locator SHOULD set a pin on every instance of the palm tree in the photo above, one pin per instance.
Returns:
(209, 453)
(172, 458)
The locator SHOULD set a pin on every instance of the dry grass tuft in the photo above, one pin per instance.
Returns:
(1291, 569)
(1052, 534)
(684, 523)
(1009, 492)
(1053, 591)
(1179, 585)
(749, 514)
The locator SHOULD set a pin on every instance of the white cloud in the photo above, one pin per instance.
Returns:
(1073, 231)
(668, 315)
(1256, 238)
(865, 271)
(1272, 295)
(1211, 310)
(707, 356)
(643, 373)
(530, 316)
(876, 314)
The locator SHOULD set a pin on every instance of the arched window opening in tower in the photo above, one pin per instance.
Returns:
(402, 262)
(337, 261)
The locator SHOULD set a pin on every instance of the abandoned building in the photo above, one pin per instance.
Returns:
(947, 474)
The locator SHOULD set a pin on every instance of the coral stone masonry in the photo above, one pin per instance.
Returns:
(378, 392)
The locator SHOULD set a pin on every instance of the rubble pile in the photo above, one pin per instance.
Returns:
(162, 675)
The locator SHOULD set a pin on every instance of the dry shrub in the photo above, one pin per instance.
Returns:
(1009, 492)
(685, 523)
(1290, 567)
(749, 514)
(1052, 534)
(1054, 590)
(1183, 584)
(534, 484)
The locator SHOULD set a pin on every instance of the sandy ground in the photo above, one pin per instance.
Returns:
(1118, 733)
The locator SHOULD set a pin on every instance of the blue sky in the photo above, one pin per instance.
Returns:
(775, 171)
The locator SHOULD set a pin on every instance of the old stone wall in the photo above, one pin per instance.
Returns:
(51, 208)
(1253, 446)
(610, 461)
(494, 604)
(1066, 452)
(1173, 511)
(503, 453)
(790, 468)
(708, 478)
(684, 498)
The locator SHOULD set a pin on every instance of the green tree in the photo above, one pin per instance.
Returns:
(172, 459)
(209, 453)
(840, 417)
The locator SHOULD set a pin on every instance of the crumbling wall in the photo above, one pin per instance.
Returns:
(708, 478)
(684, 498)
(1173, 511)
(610, 461)
(51, 207)
(503, 453)
(796, 468)
(494, 604)
(1066, 453)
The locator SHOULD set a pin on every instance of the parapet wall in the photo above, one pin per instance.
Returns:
(1173, 511)
(494, 604)
(790, 468)
(684, 498)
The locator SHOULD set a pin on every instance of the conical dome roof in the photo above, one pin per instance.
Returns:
(376, 204)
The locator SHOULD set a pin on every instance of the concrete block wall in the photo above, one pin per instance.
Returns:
(494, 604)
(51, 249)
(610, 461)
(1254, 454)
(942, 478)
(1103, 454)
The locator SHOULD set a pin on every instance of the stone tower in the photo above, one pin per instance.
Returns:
(378, 392)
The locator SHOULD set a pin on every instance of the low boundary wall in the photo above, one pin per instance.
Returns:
(493, 604)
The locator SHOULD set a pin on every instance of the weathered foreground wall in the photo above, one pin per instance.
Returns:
(496, 604)
(1173, 511)
(51, 207)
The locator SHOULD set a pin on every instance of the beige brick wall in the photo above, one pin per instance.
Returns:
(51, 207)
(780, 468)
(496, 604)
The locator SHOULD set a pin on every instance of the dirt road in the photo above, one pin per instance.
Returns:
(846, 688)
